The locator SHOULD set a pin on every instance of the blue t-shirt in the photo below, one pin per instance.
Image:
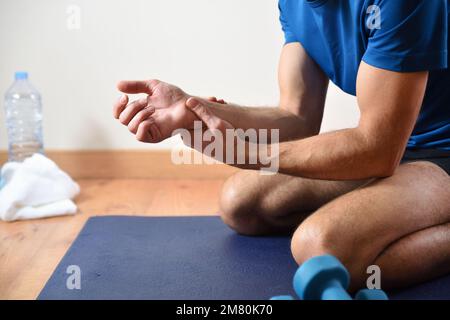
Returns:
(396, 35)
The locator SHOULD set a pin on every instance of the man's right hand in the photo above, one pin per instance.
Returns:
(153, 118)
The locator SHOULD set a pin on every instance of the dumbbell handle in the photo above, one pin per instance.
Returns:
(335, 291)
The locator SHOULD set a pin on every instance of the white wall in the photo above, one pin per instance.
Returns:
(227, 48)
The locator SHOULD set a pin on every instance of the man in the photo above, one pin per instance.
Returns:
(354, 193)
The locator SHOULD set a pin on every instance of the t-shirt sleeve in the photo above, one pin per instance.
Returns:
(407, 35)
(289, 36)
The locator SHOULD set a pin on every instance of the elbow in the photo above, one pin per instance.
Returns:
(387, 169)
(387, 163)
(385, 154)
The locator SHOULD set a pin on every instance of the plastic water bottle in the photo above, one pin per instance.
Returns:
(23, 119)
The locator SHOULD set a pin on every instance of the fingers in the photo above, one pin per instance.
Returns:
(214, 99)
(140, 86)
(148, 131)
(131, 110)
(141, 116)
(203, 113)
(119, 105)
(137, 116)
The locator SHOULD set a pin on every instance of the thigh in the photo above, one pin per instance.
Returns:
(359, 225)
(280, 195)
(399, 263)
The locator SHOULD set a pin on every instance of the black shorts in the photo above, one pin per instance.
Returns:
(438, 157)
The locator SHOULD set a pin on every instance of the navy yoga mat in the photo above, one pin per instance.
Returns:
(184, 258)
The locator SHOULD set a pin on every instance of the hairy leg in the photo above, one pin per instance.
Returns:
(418, 257)
(390, 222)
(255, 204)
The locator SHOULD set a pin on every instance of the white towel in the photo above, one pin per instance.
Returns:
(35, 188)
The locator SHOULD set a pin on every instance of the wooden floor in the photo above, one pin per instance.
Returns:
(30, 250)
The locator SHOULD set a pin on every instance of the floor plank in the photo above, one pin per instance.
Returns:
(30, 250)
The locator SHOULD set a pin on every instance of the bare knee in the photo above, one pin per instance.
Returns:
(311, 239)
(238, 204)
(317, 236)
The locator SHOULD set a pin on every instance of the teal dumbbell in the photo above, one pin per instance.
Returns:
(326, 278)
(371, 294)
(322, 278)
(282, 298)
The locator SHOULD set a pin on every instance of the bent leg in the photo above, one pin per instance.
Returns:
(387, 222)
(418, 257)
(255, 204)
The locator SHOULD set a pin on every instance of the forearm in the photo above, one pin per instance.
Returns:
(341, 155)
(290, 126)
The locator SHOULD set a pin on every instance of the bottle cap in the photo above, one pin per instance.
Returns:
(21, 75)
